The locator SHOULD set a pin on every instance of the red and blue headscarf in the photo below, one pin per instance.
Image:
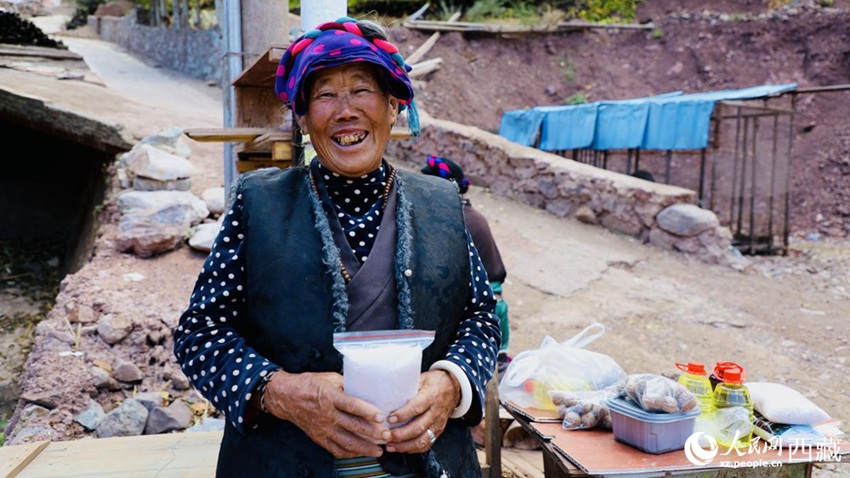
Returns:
(337, 43)
(446, 169)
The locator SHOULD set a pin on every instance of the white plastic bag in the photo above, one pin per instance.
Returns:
(782, 404)
(382, 367)
(564, 366)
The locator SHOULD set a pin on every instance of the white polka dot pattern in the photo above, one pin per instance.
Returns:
(226, 370)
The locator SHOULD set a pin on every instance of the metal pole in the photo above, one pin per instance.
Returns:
(771, 199)
(734, 182)
(743, 176)
(754, 187)
(232, 69)
(787, 229)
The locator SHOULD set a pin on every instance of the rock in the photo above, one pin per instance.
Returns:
(209, 424)
(90, 417)
(176, 416)
(114, 328)
(82, 314)
(686, 220)
(147, 203)
(151, 162)
(127, 420)
(148, 184)
(171, 140)
(127, 372)
(215, 200)
(102, 379)
(204, 235)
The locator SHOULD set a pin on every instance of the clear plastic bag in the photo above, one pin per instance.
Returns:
(564, 366)
(657, 393)
(586, 409)
(382, 367)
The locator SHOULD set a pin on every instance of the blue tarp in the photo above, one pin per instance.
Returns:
(567, 127)
(668, 121)
(521, 126)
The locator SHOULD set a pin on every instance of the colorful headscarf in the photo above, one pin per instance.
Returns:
(446, 169)
(337, 43)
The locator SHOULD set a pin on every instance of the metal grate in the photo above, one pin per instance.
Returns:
(743, 175)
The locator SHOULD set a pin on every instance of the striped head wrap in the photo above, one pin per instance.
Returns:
(337, 43)
(446, 169)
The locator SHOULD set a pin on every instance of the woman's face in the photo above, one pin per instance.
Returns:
(349, 118)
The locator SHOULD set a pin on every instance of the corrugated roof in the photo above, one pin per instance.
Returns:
(668, 121)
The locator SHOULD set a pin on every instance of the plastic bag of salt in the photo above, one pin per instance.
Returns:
(382, 367)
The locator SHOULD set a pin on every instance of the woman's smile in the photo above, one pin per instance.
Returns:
(349, 118)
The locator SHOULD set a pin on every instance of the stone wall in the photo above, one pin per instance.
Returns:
(196, 53)
(658, 214)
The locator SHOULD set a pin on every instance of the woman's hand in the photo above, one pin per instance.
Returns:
(315, 403)
(439, 394)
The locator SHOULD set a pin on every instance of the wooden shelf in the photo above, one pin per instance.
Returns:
(221, 135)
(262, 71)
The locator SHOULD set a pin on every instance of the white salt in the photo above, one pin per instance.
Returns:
(386, 376)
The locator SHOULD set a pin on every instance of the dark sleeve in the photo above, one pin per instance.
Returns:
(479, 337)
(478, 227)
(211, 352)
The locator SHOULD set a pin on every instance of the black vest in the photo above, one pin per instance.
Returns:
(296, 298)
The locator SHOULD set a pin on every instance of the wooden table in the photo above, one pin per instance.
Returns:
(595, 452)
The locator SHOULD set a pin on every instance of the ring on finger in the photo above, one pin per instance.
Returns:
(431, 436)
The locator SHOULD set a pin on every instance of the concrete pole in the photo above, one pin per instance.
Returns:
(315, 12)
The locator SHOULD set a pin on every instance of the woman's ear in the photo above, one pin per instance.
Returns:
(301, 124)
(393, 110)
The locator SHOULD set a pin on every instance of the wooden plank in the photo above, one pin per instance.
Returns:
(243, 166)
(240, 135)
(423, 68)
(282, 151)
(38, 51)
(400, 132)
(176, 455)
(173, 455)
(519, 463)
(429, 43)
(432, 25)
(15, 458)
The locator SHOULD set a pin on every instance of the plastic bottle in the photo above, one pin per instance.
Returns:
(720, 368)
(695, 380)
(733, 410)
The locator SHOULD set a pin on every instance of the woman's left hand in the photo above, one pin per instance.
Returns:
(439, 394)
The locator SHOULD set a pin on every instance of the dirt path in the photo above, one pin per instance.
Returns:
(784, 320)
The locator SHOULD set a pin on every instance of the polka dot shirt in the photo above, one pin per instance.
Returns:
(224, 367)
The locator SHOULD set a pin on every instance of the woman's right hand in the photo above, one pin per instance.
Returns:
(316, 403)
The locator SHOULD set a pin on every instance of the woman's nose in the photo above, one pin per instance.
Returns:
(346, 105)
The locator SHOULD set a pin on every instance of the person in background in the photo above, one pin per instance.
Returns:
(345, 243)
(479, 228)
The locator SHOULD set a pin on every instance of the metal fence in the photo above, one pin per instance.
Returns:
(742, 176)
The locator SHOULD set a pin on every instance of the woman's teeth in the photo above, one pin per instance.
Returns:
(349, 139)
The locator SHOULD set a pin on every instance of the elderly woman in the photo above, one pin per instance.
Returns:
(346, 243)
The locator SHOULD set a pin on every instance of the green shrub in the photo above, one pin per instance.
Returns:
(576, 99)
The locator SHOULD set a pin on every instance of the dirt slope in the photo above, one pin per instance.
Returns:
(726, 45)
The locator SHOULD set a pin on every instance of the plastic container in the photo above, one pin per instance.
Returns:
(696, 381)
(648, 431)
(733, 411)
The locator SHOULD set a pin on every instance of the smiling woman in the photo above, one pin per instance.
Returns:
(346, 243)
